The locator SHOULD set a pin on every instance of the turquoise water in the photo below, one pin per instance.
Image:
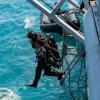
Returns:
(17, 63)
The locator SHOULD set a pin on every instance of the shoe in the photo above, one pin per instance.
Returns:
(32, 85)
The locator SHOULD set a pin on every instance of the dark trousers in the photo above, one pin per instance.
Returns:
(47, 70)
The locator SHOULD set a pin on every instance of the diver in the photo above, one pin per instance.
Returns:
(41, 54)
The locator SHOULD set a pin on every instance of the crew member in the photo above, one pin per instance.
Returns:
(39, 45)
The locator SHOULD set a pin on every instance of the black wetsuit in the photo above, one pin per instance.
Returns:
(41, 64)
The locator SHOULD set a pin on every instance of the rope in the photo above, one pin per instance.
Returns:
(85, 81)
(69, 72)
(68, 67)
(70, 88)
(70, 64)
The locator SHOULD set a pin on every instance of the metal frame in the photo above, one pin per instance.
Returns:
(67, 28)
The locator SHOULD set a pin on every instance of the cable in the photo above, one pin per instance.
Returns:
(70, 79)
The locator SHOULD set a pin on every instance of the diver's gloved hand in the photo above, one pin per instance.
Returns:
(60, 75)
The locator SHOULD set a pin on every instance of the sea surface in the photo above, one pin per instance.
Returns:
(17, 58)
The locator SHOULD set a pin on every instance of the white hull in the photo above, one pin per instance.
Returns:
(93, 56)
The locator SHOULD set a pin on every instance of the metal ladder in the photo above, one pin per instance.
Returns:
(52, 15)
